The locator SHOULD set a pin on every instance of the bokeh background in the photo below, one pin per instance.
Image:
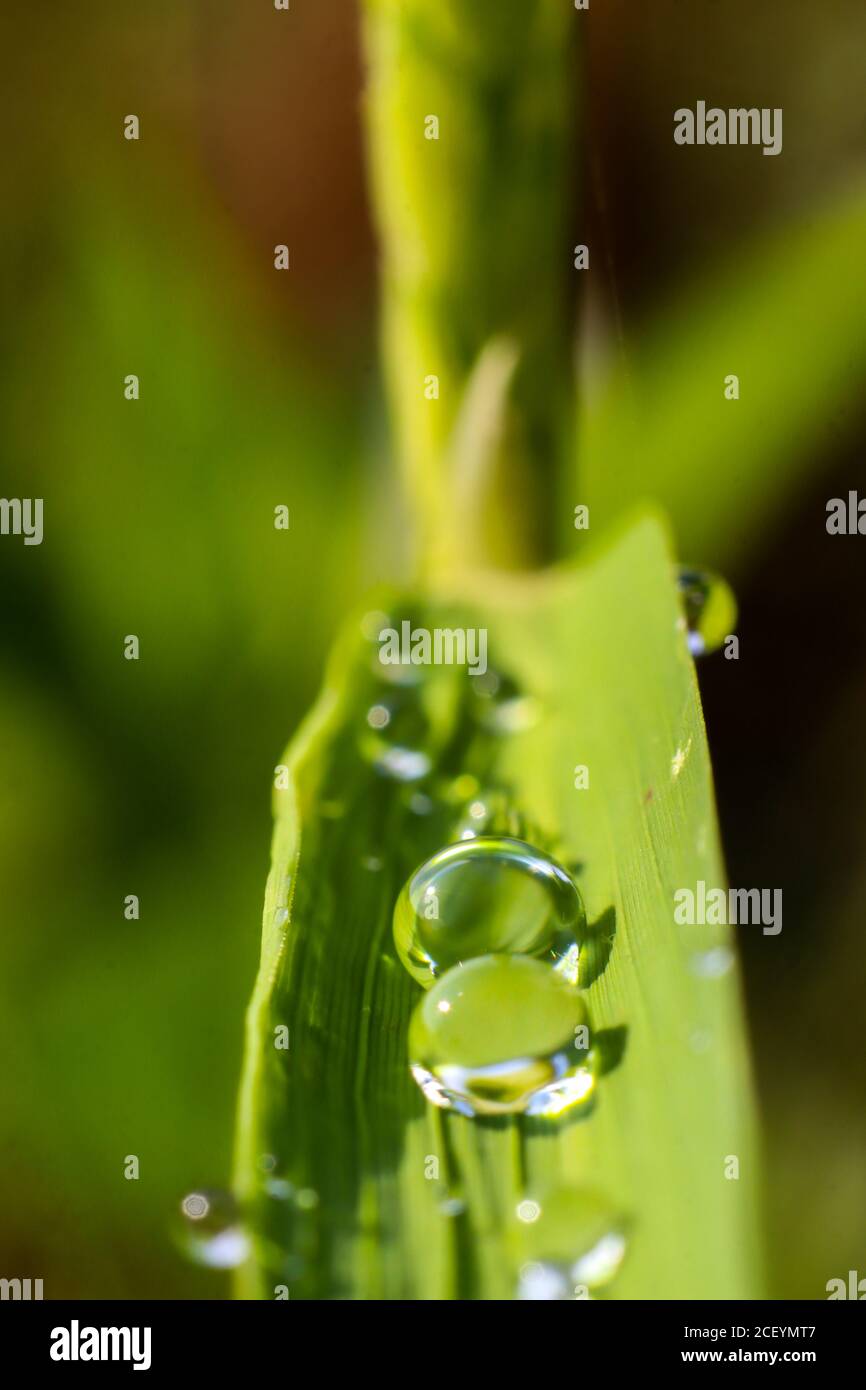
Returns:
(257, 388)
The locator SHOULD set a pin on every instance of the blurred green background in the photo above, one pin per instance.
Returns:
(258, 389)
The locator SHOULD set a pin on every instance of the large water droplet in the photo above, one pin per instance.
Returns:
(710, 609)
(210, 1230)
(487, 895)
(575, 1244)
(502, 1035)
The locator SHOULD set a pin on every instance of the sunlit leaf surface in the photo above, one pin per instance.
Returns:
(335, 1139)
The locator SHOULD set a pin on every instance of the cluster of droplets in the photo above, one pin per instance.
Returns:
(491, 926)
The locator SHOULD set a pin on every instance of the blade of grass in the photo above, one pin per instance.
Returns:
(473, 232)
(602, 652)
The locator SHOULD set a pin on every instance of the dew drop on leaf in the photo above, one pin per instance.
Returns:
(487, 895)
(501, 706)
(712, 964)
(210, 1231)
(394, 739)
(576, 1242)
(710, 609)
(502, 1035)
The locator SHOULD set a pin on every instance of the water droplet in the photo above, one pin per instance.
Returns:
(577, 1242)
(542, 1283)
(211, 1232)
(490, 812)
(487, 895)
(714, 963)
(528, 1211)
(501, 706)
(372, 863)
(394, 738)
(281, 916)
(502, 1035)
(710, 609)
(452, 1206)
(280, 1189)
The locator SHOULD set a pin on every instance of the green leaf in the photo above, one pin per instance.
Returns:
(786, 317)
(473, 227)
(601, 652)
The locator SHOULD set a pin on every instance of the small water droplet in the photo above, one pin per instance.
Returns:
(492, 812)
(577, 1242)
(420, 805)
(712, 964)
(542, 1283)
(528, 1211)
(710, 609)
(487, 895)
(406, 764)
(394, 739)
(371, 863)
(280, 1189)
(210, 1232)
(452, 1206)
(501, 706)
(281, 916)
(306, 1199)
(512, 1039)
